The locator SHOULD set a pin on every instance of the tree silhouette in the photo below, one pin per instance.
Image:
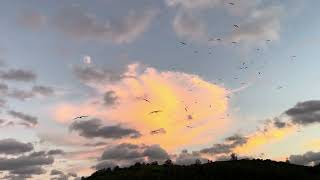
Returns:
(233, 157)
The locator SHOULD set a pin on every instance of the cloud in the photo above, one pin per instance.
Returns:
(31, 19)
(308, 158)
(80, 25)
(95, 75)
(3, 89)
(21, 94)
(56, 152)
(56, 172)
(31, 120)
(18, 75)
(262, 24)
(305, 113)
(187, 26)
(13, 147)
(26, 165)
(227, 147)
(94, 128)
(185, 158)
(150, 90)
(110, 98)
(126, 154)
(191, 4)
(43, 90)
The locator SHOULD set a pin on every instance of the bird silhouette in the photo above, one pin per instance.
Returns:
(155, 112)
(80, 117)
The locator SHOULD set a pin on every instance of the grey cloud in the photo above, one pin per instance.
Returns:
(56, 172)
(262, 24)
(2, 103)
(188, 26)
(80, 25)
(105, 164)
(305, 113)
(279, 124)
(3, 89)
(56, 152)
(12, 146)
(90, 74)
(26, 165)
(226, 147)
(308, 158)
(32, 120)
(43, 90)
(127, 154)
(110, 98)
(155, 153)
(21, 94)
(185, 158)
(94, 128)
(122, 152)
(18, 75)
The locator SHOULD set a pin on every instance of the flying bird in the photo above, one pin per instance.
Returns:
(183, 43)
(158, 131)
(80, 117)
(155, 112)
(231, 3)
(236, 26)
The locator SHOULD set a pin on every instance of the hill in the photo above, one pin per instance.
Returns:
(222, 170)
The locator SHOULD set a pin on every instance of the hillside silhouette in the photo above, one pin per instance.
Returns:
(222, 170)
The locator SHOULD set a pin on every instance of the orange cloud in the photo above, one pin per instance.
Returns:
(177, 99)
(261, 138)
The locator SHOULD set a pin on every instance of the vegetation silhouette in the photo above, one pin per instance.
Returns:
(256, 169)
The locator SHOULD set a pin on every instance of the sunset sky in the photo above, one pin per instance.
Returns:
(151, 80)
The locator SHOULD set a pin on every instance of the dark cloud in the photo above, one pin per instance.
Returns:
(96, 144)
(56, 172)
(94, 128)
(56, 152)
(279, 124)
(31, 120)
(21, 94)
(59, 175)
(105, 164)
(127, 154)
(43, 90)
(18, 75)
(90, 74)
(12, 146)
(110, 98)
(226, 147)
(185, 158)
(155, 153)
(80, 25)
(26, 165)
(305, 113)
(308, 158)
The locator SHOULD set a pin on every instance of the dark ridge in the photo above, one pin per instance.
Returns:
(222, 170)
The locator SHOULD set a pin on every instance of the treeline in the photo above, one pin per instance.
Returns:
(221, 170)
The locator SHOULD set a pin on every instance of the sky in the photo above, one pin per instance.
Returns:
(87, 85)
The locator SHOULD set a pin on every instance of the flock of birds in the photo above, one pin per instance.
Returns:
(243, 67)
